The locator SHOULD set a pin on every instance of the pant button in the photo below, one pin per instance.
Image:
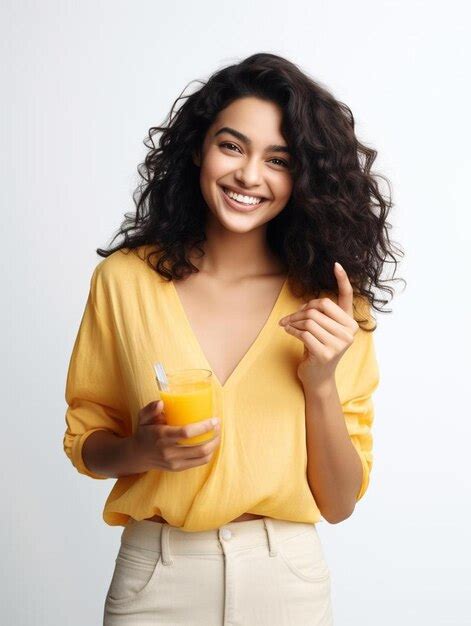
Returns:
(226, 534)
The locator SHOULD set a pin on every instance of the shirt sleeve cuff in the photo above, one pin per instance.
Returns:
(366, 470)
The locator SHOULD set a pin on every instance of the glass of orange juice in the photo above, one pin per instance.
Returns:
(188, 399)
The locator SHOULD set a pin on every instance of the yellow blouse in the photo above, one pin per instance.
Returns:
(133, 317)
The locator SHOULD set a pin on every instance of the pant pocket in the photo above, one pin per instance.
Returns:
(304, 557)
(135, 574)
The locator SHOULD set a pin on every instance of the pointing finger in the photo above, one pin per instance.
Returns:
(345, 299)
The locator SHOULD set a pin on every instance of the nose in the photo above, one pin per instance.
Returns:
(249, 175)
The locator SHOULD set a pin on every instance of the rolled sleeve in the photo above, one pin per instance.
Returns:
(361, 373)
(94, 389)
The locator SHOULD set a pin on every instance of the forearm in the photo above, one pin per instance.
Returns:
(334, 469)
(109, 455)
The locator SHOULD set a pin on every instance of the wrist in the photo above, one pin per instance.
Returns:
(320, 390)
(135, 458)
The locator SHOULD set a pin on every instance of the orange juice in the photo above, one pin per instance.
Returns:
(189, 399)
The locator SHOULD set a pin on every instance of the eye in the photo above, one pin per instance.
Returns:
(281, 161)
(226, 144)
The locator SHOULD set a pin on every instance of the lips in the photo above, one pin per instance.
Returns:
(244, 208)
(241, 192)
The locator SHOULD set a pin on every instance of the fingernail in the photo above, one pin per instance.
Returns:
(339, 266)
(282, 322)
(214, 421)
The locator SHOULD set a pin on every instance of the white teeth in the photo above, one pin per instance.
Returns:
(242, 199)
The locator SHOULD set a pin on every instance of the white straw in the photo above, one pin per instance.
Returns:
(161, 376)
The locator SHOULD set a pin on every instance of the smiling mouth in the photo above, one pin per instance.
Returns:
(243, 205)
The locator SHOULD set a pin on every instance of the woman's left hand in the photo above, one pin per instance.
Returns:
(326, 329)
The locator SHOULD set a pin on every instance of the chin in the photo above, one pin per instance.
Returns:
(237, 224)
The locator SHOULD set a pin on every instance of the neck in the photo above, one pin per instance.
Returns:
(233, 256)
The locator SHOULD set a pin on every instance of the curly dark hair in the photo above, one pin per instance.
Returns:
(336, 211)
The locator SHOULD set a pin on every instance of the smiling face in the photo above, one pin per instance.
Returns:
(244, 151)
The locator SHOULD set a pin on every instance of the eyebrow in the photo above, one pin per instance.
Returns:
(245, 139)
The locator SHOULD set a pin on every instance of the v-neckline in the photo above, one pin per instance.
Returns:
(258, 341)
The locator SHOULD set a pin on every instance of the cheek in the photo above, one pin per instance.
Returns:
(286, 187)
(214, 165)
(282, 186)
(209, 174)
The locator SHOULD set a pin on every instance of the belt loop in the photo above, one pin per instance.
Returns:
(271, 536)
(165, 545)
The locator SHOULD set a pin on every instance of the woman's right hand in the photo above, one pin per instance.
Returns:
(156, 443)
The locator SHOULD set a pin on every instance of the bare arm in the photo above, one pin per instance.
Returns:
(334, 468)
(152, 446)
(110, 455)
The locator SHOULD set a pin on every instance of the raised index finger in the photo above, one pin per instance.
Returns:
(345, 299)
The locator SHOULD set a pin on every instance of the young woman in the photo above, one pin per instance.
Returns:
(258, 234)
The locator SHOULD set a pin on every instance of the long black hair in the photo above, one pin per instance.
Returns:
(336, 211)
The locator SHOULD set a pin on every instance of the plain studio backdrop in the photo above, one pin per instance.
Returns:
(82, 83)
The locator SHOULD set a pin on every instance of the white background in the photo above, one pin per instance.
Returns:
(82, 83)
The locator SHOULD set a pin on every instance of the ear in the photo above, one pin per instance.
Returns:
(196, 158)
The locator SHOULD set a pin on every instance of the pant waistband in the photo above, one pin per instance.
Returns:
(169, 540)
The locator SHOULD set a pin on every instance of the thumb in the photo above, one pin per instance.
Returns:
(152, 413)
(159, 415)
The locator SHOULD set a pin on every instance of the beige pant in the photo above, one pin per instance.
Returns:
(263, 572)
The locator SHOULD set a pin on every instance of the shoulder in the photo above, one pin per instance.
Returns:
(363, 314)
(123, 268)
